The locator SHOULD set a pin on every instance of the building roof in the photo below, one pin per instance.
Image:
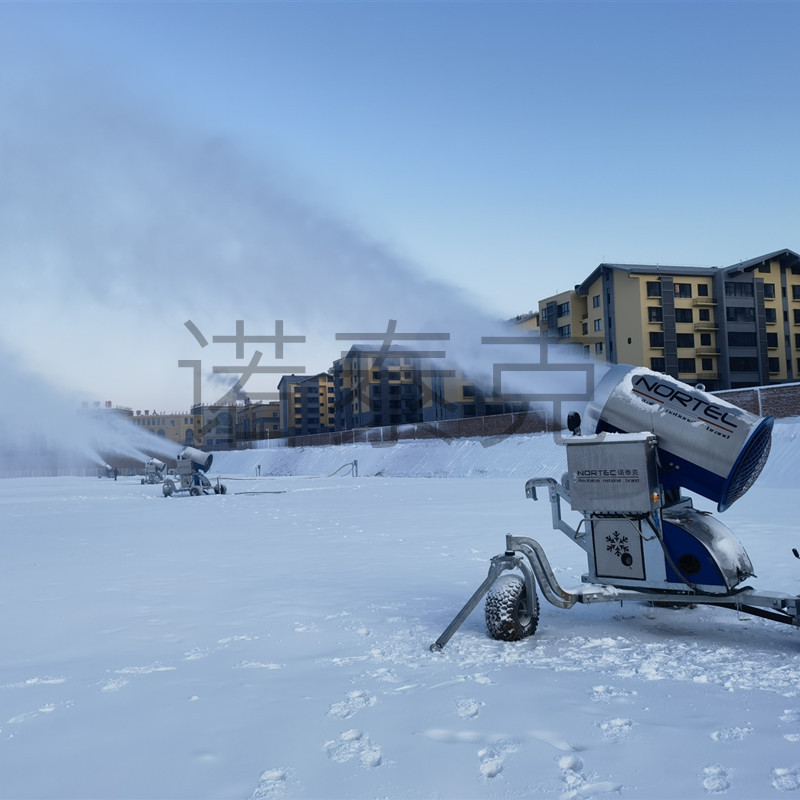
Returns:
(788, 258)
(644, 269)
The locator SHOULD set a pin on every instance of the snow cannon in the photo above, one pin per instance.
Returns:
(153, 471)
(705, 444)
(644, 437)
(198, 458)
(191, 468)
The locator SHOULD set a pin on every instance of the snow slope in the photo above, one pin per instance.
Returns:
(273, 642)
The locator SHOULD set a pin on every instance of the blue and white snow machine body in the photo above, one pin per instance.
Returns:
(647, 437)
(191, 467)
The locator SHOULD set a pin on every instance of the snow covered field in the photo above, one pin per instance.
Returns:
(273, 642)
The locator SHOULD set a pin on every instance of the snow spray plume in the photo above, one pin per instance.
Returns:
(44, 430)
(132, 223)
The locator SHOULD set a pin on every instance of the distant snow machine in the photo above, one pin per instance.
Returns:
(651, 436)
(154, 471)
(191, 468)
(107, 471)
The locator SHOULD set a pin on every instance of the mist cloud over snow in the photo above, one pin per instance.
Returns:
(119, 226)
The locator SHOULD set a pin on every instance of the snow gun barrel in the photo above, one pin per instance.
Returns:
(199, 459)
(705, 444)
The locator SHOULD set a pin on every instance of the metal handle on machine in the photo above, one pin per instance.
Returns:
(545, 576)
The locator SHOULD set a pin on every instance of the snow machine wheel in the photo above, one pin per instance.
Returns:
(508, 617)
(216, 490)
(194, 491)
(223, 489)
(168, 488)
(143, 481)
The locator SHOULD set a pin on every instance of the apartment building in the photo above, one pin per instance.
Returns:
(306, 404)
(257, 421)
(185, 428)
(724, 327)
(375, 386)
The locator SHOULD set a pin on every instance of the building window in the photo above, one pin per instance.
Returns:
(733, 289)
(741, 339)
(654, 314)
(795, 292)
(685, 339)
(585, 328)
(687, 365)
(563, 309)
(774, 365)
(656, 339)
(769, 290)
(598, 324)
(653, 288)
(705, 340)
(771, 315)
(707, 364)
(565, 331)
(684, 315)
(704, 314)
(598, 348)
(702, 290)
(683, 289)
(734, 314)
(596, 301)
(658, 364)
(739, 364)
(772, 340)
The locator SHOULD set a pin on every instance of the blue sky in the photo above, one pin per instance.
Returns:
(504, 148)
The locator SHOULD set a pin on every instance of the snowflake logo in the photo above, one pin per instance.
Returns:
(617, 544)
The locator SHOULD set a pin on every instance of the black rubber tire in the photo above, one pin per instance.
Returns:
(194, 491)
(223, 489)
(507, 617)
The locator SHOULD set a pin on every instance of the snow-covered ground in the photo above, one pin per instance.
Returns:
(273, 642)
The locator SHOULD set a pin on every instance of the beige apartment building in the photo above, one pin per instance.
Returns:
(185, 429)
(724, 327)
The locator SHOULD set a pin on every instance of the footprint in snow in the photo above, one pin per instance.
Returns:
(274, 784)
(731, 734)
(785, 779)
(355, 702)
(468, 708)
(576, 785)
(616, 730)
(493, 757)
(716, 779)
(354, 744)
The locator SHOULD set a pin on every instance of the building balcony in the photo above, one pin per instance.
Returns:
(705, 326)
(703, 301)
(707, 376)
(707, 351)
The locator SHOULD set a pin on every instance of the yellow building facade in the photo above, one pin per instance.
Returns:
(724, 327)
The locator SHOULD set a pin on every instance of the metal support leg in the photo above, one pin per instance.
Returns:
(499, 564)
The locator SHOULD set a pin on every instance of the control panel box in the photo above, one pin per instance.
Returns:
(613, 473)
